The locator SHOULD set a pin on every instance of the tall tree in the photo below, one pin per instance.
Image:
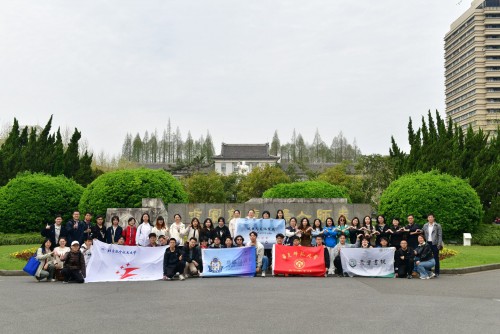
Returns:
(275, 145)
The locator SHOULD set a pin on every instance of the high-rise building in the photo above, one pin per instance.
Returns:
(472, 67)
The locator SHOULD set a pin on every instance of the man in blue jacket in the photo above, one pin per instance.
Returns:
(55, 232)
(75, 228)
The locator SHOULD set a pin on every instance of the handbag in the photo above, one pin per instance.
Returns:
(32, 266)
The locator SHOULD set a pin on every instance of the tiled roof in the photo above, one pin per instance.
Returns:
(245, 152)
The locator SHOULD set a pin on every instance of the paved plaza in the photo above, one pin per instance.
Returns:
(451, 304)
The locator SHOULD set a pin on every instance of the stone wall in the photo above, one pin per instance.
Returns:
(154, 206)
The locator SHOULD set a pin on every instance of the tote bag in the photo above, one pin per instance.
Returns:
(32, 266)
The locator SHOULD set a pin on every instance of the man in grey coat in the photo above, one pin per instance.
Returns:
(433, 234)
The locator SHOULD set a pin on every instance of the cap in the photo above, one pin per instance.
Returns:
(75, 243)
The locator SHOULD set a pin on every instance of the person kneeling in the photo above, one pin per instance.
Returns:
(74, 265)
(403, 260)
(172, 261)
(336, 253)
(262, 260)
(192, 255)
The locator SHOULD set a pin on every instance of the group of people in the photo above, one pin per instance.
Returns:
(417, 248)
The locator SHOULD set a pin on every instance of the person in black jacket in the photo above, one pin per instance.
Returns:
(99, 229)
(87, 229)
(114, 232)
(75, 228)
(192, 256)
(208, 231)
(319, 243)
(413, 231)
(404, 260)
(172, 261)
(228, 242)
(424, 259)
(74, 265)
(397, 232)
(221, 229)
(381, 230)
(55, 232)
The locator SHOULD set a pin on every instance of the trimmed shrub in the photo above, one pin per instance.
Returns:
(21, 239)
(454, 203)
(31, 200)
(487, 235)
(307, 189)
(205, 188)
(127, 188)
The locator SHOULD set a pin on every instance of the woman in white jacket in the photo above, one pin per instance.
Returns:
(160, 228)
(193, 230)
(143, 231)
(46, 269)
(232, 222)
(178, 230)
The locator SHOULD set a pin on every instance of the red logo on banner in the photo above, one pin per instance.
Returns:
(126, 271)
(299, 260)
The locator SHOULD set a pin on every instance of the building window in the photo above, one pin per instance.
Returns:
(223, 168)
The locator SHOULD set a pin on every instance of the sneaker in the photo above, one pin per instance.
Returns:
(410, 276)
(53, 280)
(165, 278)
(432, 275)
(263, 274)
(346, 275)
(181, 277)
(424, 277)
(65, 282)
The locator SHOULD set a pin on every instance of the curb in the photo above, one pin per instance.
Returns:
(469, 270)
(457, 271)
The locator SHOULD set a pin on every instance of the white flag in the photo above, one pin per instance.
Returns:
(375, 262)
(124, 263)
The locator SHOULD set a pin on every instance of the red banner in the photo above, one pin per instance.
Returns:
(299, 260)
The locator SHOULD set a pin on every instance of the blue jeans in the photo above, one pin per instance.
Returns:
(265, 263)
(424, 267)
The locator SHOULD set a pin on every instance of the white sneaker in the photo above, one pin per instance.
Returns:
(263, 274)
(432, 275)
(181, 277)
(53, 280)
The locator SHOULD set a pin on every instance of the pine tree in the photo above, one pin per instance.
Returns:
(58, 155)
(71, 156)
(275, 145)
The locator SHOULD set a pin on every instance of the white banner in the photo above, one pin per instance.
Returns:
(114, 263)
(374, 262)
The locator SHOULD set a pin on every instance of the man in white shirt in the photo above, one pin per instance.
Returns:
(262, 260)
(433, 234)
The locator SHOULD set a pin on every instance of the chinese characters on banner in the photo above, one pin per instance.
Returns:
(373, 262)
(266, 229)
(299, 260)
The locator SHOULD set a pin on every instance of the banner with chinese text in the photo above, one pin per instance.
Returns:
(373, 262)
(299, 260)
(266, 229)
(237, 261)
(124, 263)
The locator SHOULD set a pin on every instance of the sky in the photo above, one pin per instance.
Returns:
(239, 69)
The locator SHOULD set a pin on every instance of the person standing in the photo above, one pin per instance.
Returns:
(143, 231)
(354, 230)
(208, 231)
(317, 230)
(330, 234)
(413, 231)
(172, 261)
(397, 232)
(160, 228)
(221, 229)
(114, 232)
(319, 243)
(54, 232)
(381, 230)
(305, 229)
(99, 229)
(178, 230)
(291, 231)
(75, 228)
(130, 232)
(194, 230)
(232, 222)
(87, 229)
(433, 234)
(74, 266)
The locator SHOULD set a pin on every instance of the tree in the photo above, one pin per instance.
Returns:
(126, 188)
(306, 189)
(378, 173)
(337, 175)
(275, 145)
(259, 180)
(71, 156)
(452, 200)
(31, 200)
(205, 188)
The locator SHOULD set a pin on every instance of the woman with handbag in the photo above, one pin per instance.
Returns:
(46, 269)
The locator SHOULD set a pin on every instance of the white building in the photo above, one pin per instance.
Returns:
(242, 158)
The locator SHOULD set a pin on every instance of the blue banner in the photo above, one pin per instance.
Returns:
(266, 229)
(238, 261)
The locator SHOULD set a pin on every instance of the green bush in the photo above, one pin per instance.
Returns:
(487, 235)
(453, 201)
(205, 188)
(127, 188)
(30, 200)
(307, 189)
(20, 239)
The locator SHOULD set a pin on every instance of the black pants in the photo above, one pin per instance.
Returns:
(435, 252)
(72, 275)
(338, 265)
(405, 268)
(170, 271)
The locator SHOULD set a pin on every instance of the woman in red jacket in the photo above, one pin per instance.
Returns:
(129, 232)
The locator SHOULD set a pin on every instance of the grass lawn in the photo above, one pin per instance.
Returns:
(471, 256)
(9, 263)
